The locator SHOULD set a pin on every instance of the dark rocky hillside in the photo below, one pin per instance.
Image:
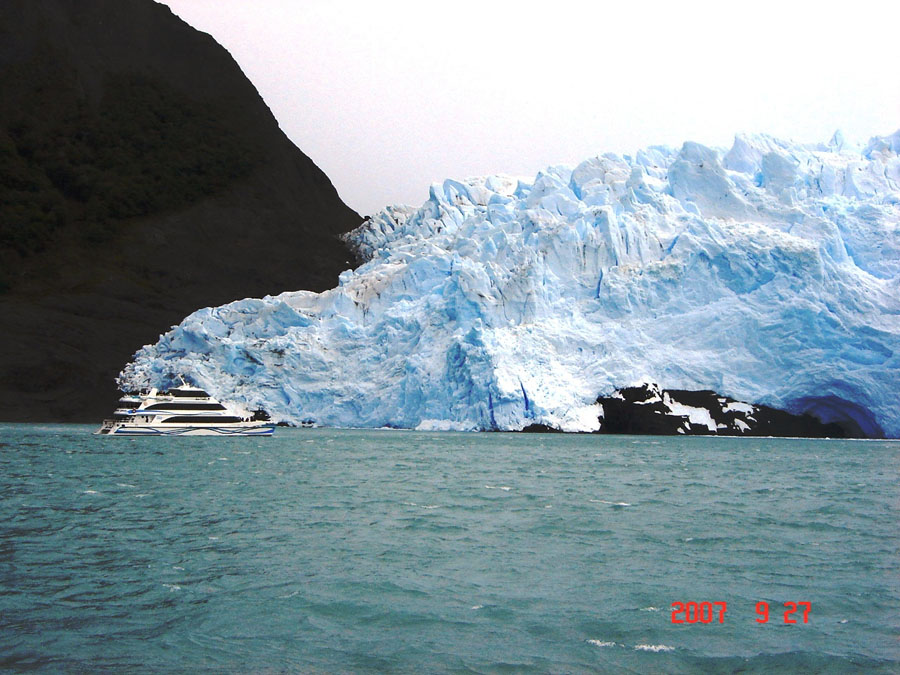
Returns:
(141, 177)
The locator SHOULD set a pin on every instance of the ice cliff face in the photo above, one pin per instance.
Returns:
(769, 273)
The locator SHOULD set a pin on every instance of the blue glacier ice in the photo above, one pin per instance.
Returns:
(768, 272)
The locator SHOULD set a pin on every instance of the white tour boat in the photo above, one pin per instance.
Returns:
(181, 411)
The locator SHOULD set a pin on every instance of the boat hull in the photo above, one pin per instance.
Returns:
(160, 430)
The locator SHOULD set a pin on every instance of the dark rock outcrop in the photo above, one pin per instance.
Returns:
(647, 409)
(141, 177)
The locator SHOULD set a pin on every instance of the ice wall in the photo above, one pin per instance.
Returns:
(769, 273)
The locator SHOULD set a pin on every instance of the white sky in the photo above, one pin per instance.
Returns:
(387, 97)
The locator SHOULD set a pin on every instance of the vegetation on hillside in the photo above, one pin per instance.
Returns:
(143, 149)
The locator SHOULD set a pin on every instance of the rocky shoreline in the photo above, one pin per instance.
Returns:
(649, 410)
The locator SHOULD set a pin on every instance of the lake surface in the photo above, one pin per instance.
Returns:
(370, 551)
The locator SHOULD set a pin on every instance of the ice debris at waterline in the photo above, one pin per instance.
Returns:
(769, 273)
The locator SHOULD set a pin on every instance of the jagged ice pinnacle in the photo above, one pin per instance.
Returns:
(769, 273)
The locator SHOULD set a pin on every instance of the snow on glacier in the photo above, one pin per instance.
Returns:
(769, 273)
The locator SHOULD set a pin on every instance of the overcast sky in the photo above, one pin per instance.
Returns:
(388, 97)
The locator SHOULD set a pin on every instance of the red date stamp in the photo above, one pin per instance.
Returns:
(708, 612)
(698, 611)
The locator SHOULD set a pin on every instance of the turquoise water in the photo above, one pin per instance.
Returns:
(360, 551)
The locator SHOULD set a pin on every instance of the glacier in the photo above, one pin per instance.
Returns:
(768, 272)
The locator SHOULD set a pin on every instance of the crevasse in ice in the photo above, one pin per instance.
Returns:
(769, 273)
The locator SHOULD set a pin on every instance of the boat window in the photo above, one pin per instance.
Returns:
(191, 393)
(201, 419)
(186, 406)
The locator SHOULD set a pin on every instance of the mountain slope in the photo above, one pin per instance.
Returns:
(767, 273)
(141, 177)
